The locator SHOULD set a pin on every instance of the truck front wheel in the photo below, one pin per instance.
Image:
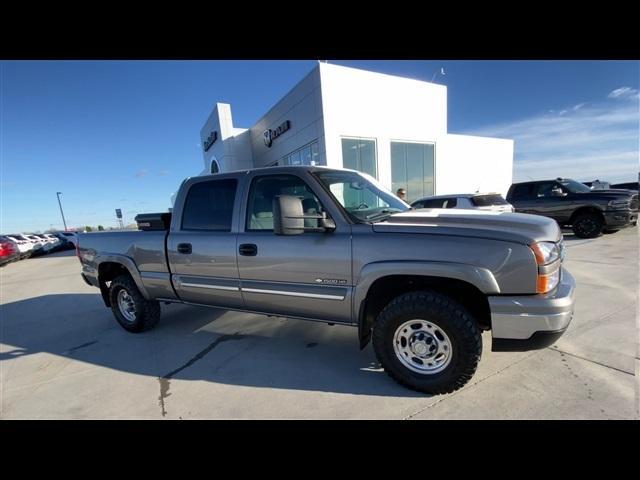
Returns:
(427, 342)
(587, 225)
(132, 311)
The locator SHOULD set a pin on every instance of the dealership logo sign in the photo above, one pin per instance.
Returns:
(270, 135)
(211, 139)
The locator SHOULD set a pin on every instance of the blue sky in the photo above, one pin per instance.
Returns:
(123, 134)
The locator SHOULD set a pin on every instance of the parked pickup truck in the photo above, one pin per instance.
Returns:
(334, 246)
(588, 212)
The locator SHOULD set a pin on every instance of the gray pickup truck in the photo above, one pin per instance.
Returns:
(334, 246)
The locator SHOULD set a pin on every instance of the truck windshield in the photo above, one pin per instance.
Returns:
(574, 187)
(362, 197)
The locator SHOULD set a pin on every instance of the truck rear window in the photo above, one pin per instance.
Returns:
(488, 200)
(209, 206)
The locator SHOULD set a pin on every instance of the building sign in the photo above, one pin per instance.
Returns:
(271, 135)
(211, 139)
(118, 213)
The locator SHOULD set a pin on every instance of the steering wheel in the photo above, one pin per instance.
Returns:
(362, 205)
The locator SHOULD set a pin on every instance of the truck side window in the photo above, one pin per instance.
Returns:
(264, 190)
(209, 206)
(543, 189)
(523, 191)
(434, 203)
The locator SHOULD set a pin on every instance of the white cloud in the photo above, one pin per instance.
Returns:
(141, 173)
(585, 142)
(624, 93)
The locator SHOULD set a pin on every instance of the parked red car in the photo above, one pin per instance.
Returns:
(8, 250)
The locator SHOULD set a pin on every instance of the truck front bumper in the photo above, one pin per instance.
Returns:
(531, 322)
(620, 218)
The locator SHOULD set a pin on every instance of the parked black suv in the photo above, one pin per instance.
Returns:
(588, 212)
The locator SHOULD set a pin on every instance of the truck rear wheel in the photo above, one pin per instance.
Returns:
(132, 311)
(427, 342)
(587, 225)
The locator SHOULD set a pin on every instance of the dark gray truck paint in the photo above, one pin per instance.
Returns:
(328, 276)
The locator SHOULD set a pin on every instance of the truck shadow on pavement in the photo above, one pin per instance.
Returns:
(198, 343)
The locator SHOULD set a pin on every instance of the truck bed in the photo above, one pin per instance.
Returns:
(146, 249)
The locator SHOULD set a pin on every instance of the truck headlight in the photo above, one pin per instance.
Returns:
(618, 203)
(545, 252)
(547, 256)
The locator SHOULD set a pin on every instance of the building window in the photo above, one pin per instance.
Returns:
(412, 168)
(307, 155)
(214, 167)
(360, 154)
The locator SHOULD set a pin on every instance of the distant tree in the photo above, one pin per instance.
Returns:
(88, 228)
(100, 228)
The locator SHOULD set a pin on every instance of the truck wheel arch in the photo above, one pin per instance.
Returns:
(112, 266)
(586, 209)
(373, 294)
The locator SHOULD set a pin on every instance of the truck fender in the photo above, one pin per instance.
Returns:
(479, 277)
(126, 262)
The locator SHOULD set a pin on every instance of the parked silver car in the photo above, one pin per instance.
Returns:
(472, 201)
(25, 246)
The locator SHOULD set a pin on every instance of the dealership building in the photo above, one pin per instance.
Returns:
(392, 128)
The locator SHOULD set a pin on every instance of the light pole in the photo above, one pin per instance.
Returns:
(61, 212)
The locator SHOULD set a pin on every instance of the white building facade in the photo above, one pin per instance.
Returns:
(392, 128)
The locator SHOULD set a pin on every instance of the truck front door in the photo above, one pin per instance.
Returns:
(552, 201)
(306, 275)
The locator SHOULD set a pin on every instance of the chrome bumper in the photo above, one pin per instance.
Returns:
(533, 321)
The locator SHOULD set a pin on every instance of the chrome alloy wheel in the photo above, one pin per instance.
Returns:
(126, 305)
(422, 346)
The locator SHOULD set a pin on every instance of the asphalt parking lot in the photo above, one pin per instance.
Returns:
(63, 356)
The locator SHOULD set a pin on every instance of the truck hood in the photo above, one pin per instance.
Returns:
(513, 227)
(610, 193)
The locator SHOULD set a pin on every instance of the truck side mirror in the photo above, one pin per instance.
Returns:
(289, 217)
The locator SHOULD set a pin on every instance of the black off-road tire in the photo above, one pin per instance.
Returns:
(147, 311)
(587, 225)
(461, 328)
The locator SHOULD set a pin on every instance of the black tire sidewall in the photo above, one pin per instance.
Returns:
(461, 329)
(584, 217)
(145, 318)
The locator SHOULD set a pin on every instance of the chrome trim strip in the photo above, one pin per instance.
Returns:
(212, 287)
(294, 294)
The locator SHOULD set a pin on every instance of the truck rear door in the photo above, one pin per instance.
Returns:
(201, 246)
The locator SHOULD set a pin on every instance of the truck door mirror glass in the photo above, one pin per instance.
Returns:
(289, 217)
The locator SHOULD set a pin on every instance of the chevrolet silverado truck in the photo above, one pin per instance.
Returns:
(334, 246)
(570, 203)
